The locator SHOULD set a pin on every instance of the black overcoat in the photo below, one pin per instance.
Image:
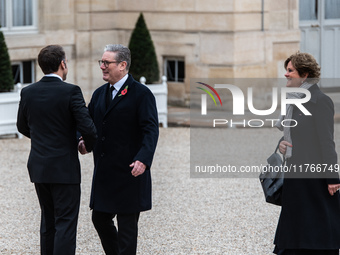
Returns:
(127, 131)
(310, 216)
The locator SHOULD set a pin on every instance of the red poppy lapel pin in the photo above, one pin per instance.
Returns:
(124, 91)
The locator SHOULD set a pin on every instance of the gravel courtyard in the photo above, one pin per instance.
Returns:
(189, 215)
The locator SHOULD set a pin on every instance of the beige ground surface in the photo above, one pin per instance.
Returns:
(189, 215)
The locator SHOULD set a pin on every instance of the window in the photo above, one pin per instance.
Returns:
(174, 69)
(18, 15)
(308, 9)
(332, 9)
(23, 72)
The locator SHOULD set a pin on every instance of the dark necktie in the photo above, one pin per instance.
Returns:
(109, 96)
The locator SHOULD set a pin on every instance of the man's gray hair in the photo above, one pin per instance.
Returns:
(122, 53)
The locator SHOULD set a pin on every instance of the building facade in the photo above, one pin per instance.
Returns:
(192, 38)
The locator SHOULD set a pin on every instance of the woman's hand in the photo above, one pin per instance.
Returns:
(332, 188)
(283, 146)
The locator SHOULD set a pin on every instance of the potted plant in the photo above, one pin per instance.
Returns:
(144, 67)
(9, 99)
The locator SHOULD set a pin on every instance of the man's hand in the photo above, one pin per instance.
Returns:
(332, 188)
(81, 147)
(138, 168)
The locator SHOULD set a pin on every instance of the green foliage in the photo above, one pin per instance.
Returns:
(143, 55)
(6, 77)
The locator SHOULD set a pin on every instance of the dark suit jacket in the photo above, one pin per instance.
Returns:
(50, 113)
(310, 216)
(127, 131)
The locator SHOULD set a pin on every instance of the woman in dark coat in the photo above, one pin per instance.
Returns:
(310, 215)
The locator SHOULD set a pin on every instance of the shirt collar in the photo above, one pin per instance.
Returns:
(120, 83)
(53, 75)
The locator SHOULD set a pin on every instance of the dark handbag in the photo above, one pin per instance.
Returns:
(271, 178)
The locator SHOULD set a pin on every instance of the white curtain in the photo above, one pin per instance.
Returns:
(3, 13)
(22, 12)
(308, 9)
(332, 9)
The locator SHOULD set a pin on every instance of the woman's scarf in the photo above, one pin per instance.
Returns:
(289, 114)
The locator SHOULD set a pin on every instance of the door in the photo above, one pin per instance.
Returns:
(320, 33)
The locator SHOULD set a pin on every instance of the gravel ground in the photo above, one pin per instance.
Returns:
(189, 215)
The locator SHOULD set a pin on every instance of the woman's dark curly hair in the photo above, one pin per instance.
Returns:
(305, 63)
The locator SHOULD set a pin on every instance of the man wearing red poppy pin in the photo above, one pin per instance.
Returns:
(127, 124)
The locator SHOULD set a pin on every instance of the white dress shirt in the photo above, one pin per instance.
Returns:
(118, 85)
(54, 75)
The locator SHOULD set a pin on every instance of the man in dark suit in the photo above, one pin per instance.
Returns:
(50, 113)
(127, 124)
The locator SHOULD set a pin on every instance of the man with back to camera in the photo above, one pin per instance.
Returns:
(124, 112)
(50, 114)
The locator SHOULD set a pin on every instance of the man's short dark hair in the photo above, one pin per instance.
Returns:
(50, 58)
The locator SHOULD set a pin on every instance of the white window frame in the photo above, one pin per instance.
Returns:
(20, 65)
(10, 29)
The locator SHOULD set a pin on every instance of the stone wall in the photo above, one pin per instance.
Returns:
(223, 38)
